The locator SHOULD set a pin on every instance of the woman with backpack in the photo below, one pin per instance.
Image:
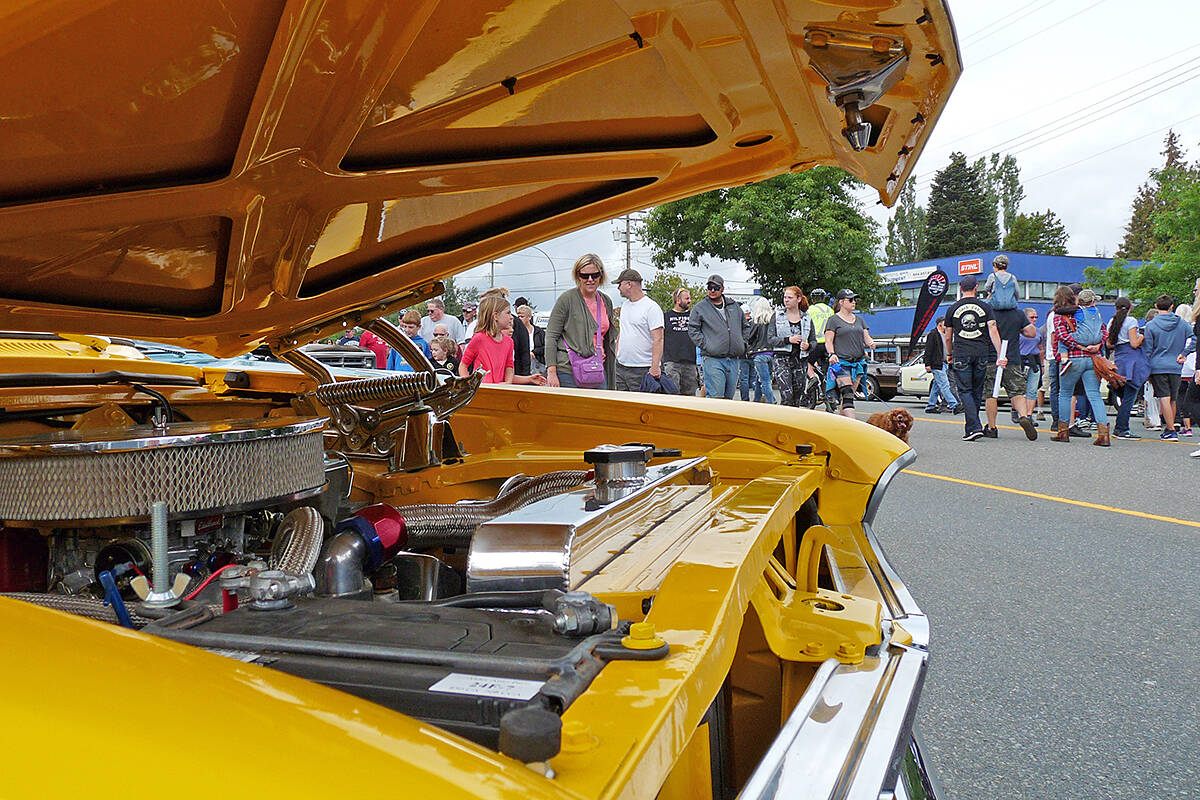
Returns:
(1079, 331)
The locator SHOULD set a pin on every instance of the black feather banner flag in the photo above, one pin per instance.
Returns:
(932, 292)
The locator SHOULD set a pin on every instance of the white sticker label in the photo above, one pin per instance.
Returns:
(487, 686)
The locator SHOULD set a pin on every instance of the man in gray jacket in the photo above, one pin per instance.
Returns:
(718, 326)
(1166, 341)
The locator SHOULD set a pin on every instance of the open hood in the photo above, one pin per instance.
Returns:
(220, 173)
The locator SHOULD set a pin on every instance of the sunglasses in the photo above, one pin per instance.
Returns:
(712, 287)
(589, 276)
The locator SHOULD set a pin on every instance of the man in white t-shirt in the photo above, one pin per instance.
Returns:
(640, 346)
(437, 316)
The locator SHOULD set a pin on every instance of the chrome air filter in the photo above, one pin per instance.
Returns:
(113, 475)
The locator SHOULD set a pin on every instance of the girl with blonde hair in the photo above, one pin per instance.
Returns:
(491, 348)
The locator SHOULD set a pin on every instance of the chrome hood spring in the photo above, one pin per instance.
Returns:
(444, 524)
(400, 386)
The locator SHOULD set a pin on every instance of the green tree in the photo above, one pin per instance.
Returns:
(662, 286)
(1173, 267)
(1004, 177)
(961, 219)
(1141, 240)
(906, 229)
(455, 295)
(802, 228)
(1037, 233)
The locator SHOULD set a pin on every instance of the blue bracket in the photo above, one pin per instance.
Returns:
(112, 597)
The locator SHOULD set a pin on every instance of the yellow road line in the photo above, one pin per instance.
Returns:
(1187, 522)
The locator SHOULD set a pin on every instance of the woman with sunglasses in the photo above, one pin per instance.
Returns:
(847, 341)
(581, 338)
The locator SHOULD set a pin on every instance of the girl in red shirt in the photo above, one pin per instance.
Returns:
(491, 349)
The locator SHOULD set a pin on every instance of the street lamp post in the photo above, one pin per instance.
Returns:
(553, 270)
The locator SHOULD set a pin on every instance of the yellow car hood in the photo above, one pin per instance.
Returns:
(219, 174)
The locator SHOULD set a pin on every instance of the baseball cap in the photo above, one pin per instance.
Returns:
(629, 275)
(846, 294)
(1000, 261)
(469, 306)
(818, 292)
(1086, 297)
(717, 279)
(968, 282)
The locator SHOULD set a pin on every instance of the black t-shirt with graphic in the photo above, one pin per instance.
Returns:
(1009, 322)
(968, 318)
(677, 345)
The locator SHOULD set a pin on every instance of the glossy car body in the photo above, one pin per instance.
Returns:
(221, 176)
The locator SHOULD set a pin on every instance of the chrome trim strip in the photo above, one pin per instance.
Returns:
(142, 437)
(848, 733)
(881, 485)
(901, 605)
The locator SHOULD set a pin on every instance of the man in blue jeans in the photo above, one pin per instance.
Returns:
(935, 365)
(971, 323)
(718, 326)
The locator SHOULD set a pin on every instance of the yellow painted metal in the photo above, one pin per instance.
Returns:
(808, 558)
(641, 637)
(691, 779)
(238, 726)
(250, 171)
(814, 625)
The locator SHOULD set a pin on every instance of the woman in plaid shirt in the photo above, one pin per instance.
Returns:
(1078, 333)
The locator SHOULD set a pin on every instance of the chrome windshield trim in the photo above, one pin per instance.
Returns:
(881, 485)
(848, 734)
(901, 605)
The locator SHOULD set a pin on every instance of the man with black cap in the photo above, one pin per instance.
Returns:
(970, 324)
(718, 327)
(640, 346)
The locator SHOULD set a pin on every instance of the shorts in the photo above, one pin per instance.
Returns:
(1166, 384)
(1013, 379)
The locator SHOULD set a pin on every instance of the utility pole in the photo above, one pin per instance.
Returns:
(626, 229)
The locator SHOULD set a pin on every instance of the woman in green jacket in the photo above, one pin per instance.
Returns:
(581, 318)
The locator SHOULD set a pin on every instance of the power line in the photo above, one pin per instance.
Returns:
(975, 38)
(1046, 29)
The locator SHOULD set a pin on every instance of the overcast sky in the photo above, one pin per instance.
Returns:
(1081, 92)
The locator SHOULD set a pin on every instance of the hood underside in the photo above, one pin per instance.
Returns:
(218, 174)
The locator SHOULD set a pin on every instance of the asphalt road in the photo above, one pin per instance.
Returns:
(1065, 654)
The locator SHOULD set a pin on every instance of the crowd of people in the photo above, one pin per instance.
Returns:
(806, 352)
(987, 344)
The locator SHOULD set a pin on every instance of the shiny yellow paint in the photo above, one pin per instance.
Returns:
(248, 171)
(814, 625)
(78, 695)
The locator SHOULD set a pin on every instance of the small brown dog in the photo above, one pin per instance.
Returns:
(897, 422)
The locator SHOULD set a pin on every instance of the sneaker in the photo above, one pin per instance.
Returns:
(990, 432)
(1186, 432)
(1153, 427)
(1126, 435)
(972, 436)
(1041, 415)
(1195, 454)
(934, 410)
(1016, 419)
(1029, 427)
(1169, 436)
(958, 409)
(1078, 432)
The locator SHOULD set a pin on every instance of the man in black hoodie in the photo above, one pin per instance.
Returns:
(935, 365)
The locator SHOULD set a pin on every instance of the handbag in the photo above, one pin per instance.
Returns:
(1107, 371)
(589, 370)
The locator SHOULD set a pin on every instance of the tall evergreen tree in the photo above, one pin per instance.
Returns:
(906, 229)
(1005, 177)
(960, 219)
(1141, 240)
(1041, 233)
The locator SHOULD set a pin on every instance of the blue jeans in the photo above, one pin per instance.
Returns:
(720, 376)
(762, 376)
(1032, 381)
(745, 369)
(939, 389)
(1129, 396)
(1052, 394)
(970, 374)
(1081, 368)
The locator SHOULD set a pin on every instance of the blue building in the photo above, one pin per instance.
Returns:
(1039, 277)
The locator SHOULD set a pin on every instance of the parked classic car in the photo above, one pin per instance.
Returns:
(271, 581)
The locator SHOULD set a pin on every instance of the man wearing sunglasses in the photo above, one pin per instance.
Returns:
(718, 327)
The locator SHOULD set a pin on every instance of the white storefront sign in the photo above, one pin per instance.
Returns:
(908, 275)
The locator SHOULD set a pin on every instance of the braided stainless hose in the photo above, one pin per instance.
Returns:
(399, 386)
(79, 606)
(298, 541)
(432, 525)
